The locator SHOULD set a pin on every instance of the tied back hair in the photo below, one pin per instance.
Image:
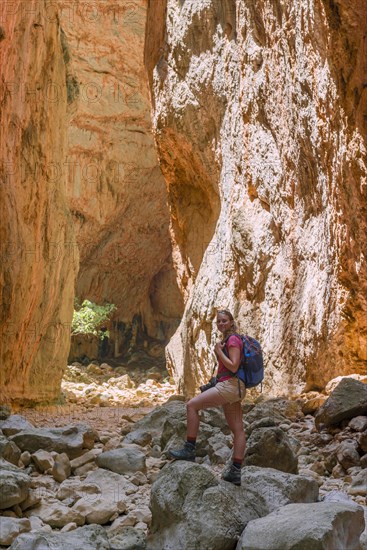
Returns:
(233, 329)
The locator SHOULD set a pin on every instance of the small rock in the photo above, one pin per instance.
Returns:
(358, 423)
(26, 458)
(142, 515)
(9, 451)
(43, 460)
(318, 467)
(347, 454)
(124, 521)
(138, 478)
(69, 527)
(38, 525)
(123, 460)
(311, 474)
(338, 471)
(34, 498)
(89, 467)
(139, 437)
(10, 528)
(89, 456)
(359, 484)
(5, 412)
(311, 405)
(61, 468)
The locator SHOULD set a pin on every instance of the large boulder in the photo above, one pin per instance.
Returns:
(191, 509)
(320, 526)
(211, 440)
(14, 485)
(71, 440)
(90, 537)
(349, 399)
(279, 488)
(332, 384)
(14, 424)
(271, 448)
(125, 460)
(154, 421)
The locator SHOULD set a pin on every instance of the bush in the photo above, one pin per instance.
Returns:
(88, 318)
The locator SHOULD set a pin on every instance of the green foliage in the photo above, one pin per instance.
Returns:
(88, 317)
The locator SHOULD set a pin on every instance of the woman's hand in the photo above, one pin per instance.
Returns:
(218, 348)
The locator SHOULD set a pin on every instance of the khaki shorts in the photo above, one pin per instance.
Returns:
(229, 389)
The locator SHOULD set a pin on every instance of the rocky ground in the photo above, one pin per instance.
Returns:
(93, 472)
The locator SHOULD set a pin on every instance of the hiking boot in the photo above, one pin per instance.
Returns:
(233, 475)
(186, 453)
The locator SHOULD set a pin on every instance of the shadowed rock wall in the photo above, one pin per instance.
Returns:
(39, 264)
(116, 191)
(260, 122)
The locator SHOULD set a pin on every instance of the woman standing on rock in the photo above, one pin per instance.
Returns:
(228, 393)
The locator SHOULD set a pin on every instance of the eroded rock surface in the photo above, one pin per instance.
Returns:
(259, 116)
(38, 264)
(115, 188)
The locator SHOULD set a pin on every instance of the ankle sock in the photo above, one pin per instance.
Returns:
(192, 441)
(237, 463)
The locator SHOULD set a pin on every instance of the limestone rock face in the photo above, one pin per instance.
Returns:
(259, 117)
(38, 271)
(116, 191)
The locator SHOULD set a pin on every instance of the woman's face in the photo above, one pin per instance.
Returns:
(224, 323)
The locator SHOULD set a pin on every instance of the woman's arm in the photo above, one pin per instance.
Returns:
(233, 361)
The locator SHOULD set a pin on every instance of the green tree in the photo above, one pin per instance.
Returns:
(88, 317)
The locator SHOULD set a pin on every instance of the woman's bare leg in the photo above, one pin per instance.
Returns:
(233, 414)
(207, 399)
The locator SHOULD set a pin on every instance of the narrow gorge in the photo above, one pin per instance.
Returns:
(173, 158)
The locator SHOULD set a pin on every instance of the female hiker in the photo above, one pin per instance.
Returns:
(228, 393)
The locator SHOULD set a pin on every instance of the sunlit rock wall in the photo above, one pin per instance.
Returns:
(38, 265)
(260, 120)
(116, 191)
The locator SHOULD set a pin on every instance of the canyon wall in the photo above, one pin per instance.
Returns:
(260, 113)
(39, 264)
(115, 188)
